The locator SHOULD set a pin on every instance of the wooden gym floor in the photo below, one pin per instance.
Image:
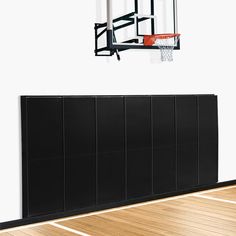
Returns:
(206, 213)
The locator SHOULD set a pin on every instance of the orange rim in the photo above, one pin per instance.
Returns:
(149, 40)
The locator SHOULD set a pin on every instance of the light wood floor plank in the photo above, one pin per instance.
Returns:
(227, 194)
(54, 231)
(95, 226)
(157, 218)
(42, 230)
(202, 207)
(18, 233)
(196, 217)
(11, 234)
(213, 203)
(159, 225)
(184, 218)
(202, 211)
(210, 204)
(154, 228)
(190, 228)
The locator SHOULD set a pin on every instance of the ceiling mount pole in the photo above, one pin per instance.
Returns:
(109, 15)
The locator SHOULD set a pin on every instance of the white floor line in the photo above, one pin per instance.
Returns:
(216, 189)
(213, 198)
(124, 207)
(69, 229)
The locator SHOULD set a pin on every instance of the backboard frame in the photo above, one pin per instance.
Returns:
(133, 18)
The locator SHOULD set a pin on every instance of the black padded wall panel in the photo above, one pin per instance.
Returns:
(45, 156)
(164, 144)
(110, 149)
(139, 146)
(187, 141)
(88, 152)
(208, 139)
(80, 152)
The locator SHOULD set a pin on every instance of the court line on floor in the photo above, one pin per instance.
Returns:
(116, 209)
(215, 190)
(68, 229)
(142, 204)
(214, 198)
(123, 207)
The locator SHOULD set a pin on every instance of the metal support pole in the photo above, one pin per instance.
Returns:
(136, 6)
(109, 15)
(152, 20)
(109, 24)
(136, 20)
(175, 16)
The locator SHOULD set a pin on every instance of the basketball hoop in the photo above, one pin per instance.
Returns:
(166, 43)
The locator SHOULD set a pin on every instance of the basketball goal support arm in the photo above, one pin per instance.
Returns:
(109, 24)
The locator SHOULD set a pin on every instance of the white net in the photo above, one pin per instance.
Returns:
(167, 46)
